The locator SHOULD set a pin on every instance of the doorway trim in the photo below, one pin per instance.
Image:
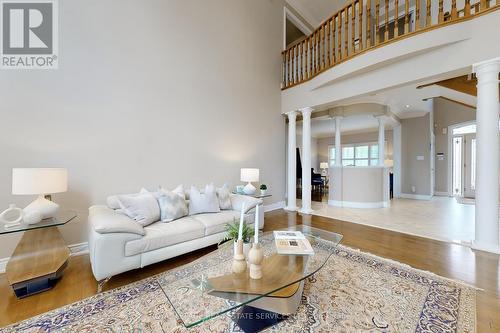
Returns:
(450, 152)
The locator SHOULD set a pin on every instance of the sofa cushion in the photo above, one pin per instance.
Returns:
(142, 208)
(216, 222)
(203, 202)
(160, 235)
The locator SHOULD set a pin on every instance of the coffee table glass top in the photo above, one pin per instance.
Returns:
(61, 218)
(200, 291)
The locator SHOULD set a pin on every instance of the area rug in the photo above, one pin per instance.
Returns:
(353, 292)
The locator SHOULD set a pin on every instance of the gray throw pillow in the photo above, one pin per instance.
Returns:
(224, 198)
(172, 206)
(206, 202)
(142, 207)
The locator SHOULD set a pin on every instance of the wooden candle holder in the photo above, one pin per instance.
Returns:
(255, 258)
(239, 263)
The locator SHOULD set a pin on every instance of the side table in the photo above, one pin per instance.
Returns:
(40, 256)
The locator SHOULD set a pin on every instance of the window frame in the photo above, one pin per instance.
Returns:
(372, 162)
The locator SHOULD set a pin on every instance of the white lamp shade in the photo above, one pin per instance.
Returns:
(249, 175)
(28, 181)
(323, 165)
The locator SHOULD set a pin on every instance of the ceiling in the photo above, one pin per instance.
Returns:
(316, 11)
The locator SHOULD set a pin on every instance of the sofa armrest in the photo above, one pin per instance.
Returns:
(104, 220)
(237, 201)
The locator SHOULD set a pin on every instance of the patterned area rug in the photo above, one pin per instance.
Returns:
(353, 292)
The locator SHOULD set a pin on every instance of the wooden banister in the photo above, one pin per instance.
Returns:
(336, 39)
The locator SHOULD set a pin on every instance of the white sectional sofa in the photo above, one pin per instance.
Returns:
(118, 244)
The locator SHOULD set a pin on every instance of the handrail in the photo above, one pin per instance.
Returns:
(351, 31)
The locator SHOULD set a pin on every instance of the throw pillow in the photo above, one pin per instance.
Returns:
(142, 207)
(179, 190)
(206, 202)
(224, 198)
(172, 206)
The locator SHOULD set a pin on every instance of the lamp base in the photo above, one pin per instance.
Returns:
(42, 206)
(249, 189)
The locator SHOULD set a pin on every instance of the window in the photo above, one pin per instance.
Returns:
(360, 154)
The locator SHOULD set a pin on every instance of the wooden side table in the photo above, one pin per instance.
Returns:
(40, 256)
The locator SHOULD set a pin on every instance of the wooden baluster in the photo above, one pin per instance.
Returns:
(428, 18)
(454, 13)
(287, 52)
(334, 45)
(283, 71)
(396, 18)
(323, 46)
(304, 62)
(407, 17)
(417, 15)
(369, 23)
(315, 52)
(328, 44)
(341, 54)
(299, 59)
(346, 30)
(441, 12)
(483, 5)
(386, 33)
(353, 27)
(467, 8)
(293, 64)
(306, 58)
(311, 56)
(377, 21)
(360, 25)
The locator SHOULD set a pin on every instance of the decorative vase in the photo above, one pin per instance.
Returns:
(263, 192)
(12, 215)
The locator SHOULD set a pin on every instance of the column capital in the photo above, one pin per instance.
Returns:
(306, 112)
(291, 114)
(487, 66)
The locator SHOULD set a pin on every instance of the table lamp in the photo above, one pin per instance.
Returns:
(41, 182)
(324, 166)
(249, 175)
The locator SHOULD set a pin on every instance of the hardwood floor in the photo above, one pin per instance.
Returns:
(449, 260)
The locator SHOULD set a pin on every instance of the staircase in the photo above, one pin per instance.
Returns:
(365, 25)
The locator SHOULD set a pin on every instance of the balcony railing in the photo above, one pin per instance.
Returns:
(363, 25)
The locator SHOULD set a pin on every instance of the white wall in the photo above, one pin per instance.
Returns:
(148, 93)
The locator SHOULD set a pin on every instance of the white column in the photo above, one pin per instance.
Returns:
(338, 143)
(292, 172)
(381, 141)
(306, 160)
(487, 155)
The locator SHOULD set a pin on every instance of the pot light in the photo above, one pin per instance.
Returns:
(407, 106)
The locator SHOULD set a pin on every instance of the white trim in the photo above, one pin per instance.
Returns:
(3, 264)
(76, 250)
(485, 247)
(441, 194)
(450, 152)
(416, 196)
(274, 206)
(288, 14)
(79, 249)
(353, 204)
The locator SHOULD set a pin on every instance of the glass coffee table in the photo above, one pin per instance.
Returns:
(208, 288)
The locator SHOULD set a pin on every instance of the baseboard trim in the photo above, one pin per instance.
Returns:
(353, 204)
(416, 196)
(75, 249)
(441, 194)
(491, 248)
(274, 206)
